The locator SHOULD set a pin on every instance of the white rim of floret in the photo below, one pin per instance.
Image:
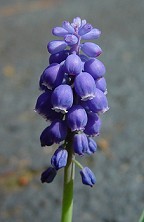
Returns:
(103, 110)
(88, 97)
(59, 109)
(78, 129)
(47, 85)
(105, 92)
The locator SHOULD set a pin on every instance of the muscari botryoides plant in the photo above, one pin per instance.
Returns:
(73, 97)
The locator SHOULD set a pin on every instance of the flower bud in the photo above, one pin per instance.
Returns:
(66, 25)
(85, 29)
(83, 22)
(99, 103)
(52, 76)
(62, 98)
(80, 143)
(93, 125)
(71, 39)
(56, 46)
(88, 178)
(91, 49)
(45, 137)
(59, 159)
(101, 84)
(48, 175)
(58, 57)
(76, 118)
(95, 67)
(93, 34)
(76, 22)
(44, 107)
(73, 64)
(84, 85)
(92, 146)
(59, 31)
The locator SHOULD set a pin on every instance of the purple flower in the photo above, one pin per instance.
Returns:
(92, 146)
(71, 39)
(80, 144)
(58, 57)
(88, 178)
(58, 129)
(85, 29)
(44, 107)
(91, 49)
(84, 85)
(93, 125)
(45, 137)
(62, 98)
(55, 133)
(74, 94)
(76, 118)
(59, 159)
(76, 23)
(99, 103)
(59, 31)
(48, 175)
(66, 25)
(101, 84)
(95, 67)
(73, 64)
(56, 46)
(52, 76)
(93, 34)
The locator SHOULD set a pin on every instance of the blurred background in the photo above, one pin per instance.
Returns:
(25, 29)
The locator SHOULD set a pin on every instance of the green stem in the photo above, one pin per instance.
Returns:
(67, 204)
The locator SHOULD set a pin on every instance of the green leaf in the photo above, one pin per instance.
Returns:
(142, 217)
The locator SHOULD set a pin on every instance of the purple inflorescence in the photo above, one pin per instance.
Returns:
(73, 95)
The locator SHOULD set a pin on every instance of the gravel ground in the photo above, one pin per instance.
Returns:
(118, 196)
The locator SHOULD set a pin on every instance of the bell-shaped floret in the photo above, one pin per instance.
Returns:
(66, 25)
(52, 76)
(85, 29)
(84, 85)
(62, 98)
(59, 158)
(101, 84)
(95, 67)
(56, 46)
(76, 118)
(92, 146)
(58, 57)
(59, 31)
(80, 144)
(99, 103)
(55, 133)
(91, 49)
(44, 107)
(45, 137)
(93, 125)
(73, 64)
(48, 175)
(93, 34)
(88, 178)
(58, 129)
(71, 39)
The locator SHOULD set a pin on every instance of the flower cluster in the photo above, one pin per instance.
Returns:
(74, 95)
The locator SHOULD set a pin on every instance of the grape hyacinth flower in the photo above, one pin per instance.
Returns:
(73, 97)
